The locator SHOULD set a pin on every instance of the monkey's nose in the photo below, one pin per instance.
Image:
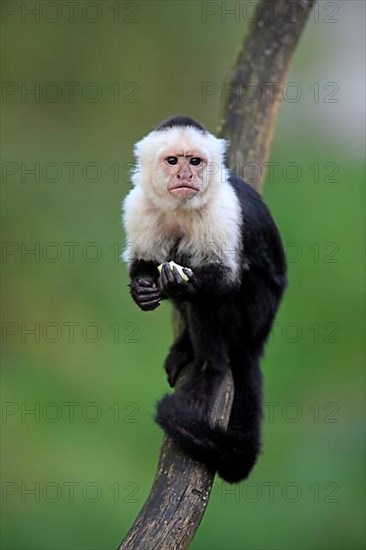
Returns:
(186, 175)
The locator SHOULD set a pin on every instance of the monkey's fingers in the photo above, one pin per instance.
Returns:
(191, 276)
(147, 299)
(167, 277)
(148, 291)
(149, 305)
(146, 282)
(178, 279)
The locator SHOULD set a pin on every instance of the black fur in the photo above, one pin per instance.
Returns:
(182, 121)
(225, 325)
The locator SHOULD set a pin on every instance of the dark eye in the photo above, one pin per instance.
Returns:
(195, 161)
(172, 160)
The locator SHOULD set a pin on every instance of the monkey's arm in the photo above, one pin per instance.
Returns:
(144, 286)
(209, 281)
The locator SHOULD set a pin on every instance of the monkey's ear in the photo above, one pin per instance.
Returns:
(223, 145)
(135, 174)
(139, 145)
(217, 148)
(147, 148)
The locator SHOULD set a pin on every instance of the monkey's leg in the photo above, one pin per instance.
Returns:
(204, 381)
(211, 353)
(231, 452)
(201, 346)
(181, 351)
(180, 354)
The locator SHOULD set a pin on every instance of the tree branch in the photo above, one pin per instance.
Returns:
(256, 86)
(178, 498)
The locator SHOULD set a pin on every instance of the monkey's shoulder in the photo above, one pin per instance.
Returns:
(254, 210)
(260, 235)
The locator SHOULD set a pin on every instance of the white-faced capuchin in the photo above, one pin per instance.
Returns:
(201, 237)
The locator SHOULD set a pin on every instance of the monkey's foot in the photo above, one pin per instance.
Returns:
(232, 452)
(177, 359)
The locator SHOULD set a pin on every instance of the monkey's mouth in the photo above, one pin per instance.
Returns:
(183, 191)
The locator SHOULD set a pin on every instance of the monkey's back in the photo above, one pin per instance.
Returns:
(263, 266)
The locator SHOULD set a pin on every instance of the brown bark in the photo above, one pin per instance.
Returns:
(254, 91)
(178, 498)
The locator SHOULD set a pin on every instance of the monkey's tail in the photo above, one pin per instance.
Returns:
(231, 452)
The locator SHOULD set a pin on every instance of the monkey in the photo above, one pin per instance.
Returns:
(187, 207)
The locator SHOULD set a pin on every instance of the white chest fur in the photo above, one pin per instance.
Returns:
(209, 234)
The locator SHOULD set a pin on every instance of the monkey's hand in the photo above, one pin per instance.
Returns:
(146, 293)
(174, 285)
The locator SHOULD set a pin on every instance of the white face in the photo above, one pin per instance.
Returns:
(183, 171)
(176, 166)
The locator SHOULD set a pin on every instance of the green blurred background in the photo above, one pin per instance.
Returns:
(76, 471)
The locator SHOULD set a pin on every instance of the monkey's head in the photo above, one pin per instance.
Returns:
(179, 164)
